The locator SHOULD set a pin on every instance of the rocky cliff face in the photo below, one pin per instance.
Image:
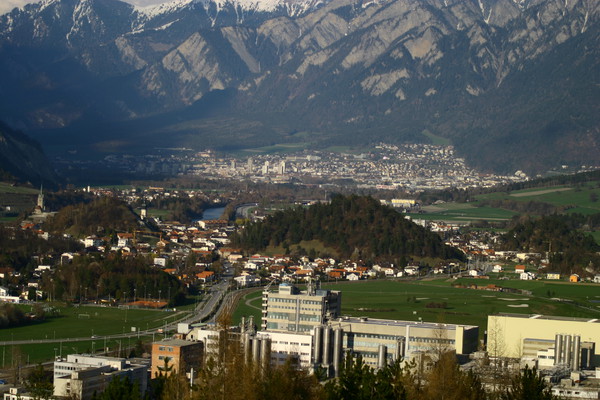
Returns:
(479, 72)
(23, 158)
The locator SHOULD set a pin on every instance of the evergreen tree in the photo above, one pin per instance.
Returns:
(528, 385)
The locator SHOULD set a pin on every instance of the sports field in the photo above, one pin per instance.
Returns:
(80, 322)
(76, 322)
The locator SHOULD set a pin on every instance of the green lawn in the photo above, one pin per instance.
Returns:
(36, 352)
(85, 321)
(245, 310)
(408, 300)
(73, 322)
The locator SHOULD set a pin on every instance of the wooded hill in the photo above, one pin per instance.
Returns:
(101, 216)
(569, 249)
(358, 227)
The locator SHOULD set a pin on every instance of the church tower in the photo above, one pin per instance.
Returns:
(40, 201)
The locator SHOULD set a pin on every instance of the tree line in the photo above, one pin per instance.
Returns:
(226, 374)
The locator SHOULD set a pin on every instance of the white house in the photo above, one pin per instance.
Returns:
(527, 276)
(247, 280)
(353, 277)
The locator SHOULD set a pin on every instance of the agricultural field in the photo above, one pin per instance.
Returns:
(583, 199)
(463, 213)
(437, 301)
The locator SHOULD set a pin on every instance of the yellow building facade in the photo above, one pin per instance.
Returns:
(522, 335)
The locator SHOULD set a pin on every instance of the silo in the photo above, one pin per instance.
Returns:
(558, 349)
(326, 345)
(318, 347)
(337, 349)
(576, 353)
(265, 351)
(399, 348)
(567, 354)
(256, 349)
(247, 347)
(382, 356)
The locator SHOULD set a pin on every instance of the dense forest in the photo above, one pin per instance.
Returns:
(102, 216)
(570, 250)
(356, 226)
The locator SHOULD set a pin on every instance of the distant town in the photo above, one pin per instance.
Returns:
(386, 166)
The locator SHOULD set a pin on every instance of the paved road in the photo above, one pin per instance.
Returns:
(243, 210)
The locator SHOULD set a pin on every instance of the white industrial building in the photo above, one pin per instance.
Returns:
(80, 376)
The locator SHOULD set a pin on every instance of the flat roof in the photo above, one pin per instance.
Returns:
(398, 323)
(549, 317)
(176, 342)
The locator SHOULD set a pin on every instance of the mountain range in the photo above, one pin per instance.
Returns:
(512, 84)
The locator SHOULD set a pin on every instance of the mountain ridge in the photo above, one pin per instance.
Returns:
(383, 70)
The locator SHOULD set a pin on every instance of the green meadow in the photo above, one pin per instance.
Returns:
(438, 301)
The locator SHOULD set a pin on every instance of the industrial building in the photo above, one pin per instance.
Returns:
(290, 310)
(80, 376)
(307, 328)
(550, 341)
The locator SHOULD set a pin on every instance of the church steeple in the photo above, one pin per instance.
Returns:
(40, 199)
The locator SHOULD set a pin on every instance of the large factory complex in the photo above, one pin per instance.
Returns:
(307, 328)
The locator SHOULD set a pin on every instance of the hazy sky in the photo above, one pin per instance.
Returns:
(8, 5)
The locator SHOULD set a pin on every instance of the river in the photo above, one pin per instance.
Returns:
(212, 213)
